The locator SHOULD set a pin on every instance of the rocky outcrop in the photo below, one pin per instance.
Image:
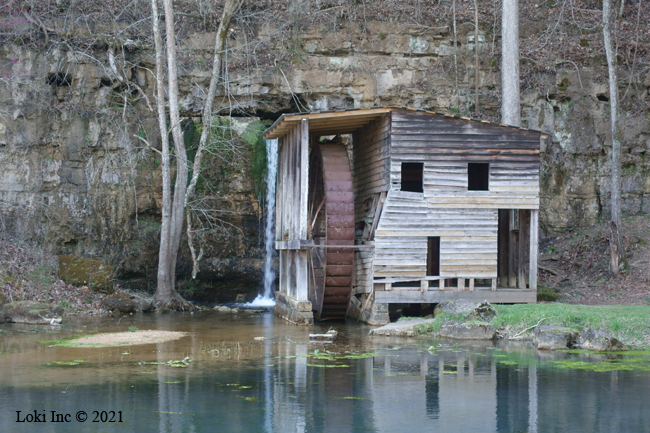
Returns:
(95, 274)
(75, 177)
(468, 331)
(598, 341)
(459, 306)
(403, 328)
(554, 337)
(29, 312)
(483, 312)
(126, 303)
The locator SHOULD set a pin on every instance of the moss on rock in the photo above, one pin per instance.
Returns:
(95, 274)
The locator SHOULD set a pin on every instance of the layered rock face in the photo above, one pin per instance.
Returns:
(77, 176)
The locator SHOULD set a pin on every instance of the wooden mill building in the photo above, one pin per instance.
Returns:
(396, 205)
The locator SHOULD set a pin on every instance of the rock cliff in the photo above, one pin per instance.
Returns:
(77, 176)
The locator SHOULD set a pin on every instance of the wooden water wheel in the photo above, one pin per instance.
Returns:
(331, 219)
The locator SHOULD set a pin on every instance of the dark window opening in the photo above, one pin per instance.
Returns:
(412, 176)
(433, 259)
(477, 176)
(433, 256)
(406, 284)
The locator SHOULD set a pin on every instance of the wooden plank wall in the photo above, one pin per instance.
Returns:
(291, 209)
(371, 161)
(371, 174)
(466, 221)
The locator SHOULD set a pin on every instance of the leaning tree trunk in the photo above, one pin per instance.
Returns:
(617, 253)
(510, 108)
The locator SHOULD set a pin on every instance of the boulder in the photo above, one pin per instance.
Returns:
(599, 341)
(96, 275)
(458, 306)
(468, 331)
(404, 328)
(30, 312)
(224, 309)
(144, 304)
(484, 312)
(554, 338)
(119, 301)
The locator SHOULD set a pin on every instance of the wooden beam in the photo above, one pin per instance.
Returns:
(534, 247)
(502, 248)
(303, 151)
(339, 114)
(513, 228)
(524, 237)
(502, 295)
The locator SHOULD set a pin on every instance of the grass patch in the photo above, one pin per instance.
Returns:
(626, 323)
(67, 341)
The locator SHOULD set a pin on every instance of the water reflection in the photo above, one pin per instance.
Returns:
(239, 383)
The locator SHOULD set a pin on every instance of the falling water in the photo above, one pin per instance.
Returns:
(266, 298)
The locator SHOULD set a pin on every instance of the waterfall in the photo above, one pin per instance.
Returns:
(266, 299)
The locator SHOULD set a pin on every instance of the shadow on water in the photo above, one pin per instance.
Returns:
(250, 372)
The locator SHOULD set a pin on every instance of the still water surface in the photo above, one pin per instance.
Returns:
(237, 383)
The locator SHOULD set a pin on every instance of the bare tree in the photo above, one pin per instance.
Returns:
(173, 208)
(220, 48)
(617, 253)
(510, 104)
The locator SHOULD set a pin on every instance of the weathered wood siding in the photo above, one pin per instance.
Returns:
(371, 160)
(371, 174)
(291, 209)
(466, 221)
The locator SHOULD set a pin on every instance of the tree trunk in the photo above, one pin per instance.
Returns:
(172, 211)
(510, 108)
(615, 237)
(174, 208)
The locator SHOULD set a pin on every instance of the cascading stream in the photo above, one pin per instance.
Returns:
(266, 299)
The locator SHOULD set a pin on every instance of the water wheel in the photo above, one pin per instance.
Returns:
(331, 219)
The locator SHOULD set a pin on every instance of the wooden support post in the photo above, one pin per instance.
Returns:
(471, 284)
(534, 247)
(524, 237)
(424, 285)
(502, 246)
(302, 275)
(442, 284)
(388, 287)
(512, 247)
(461, 285)
(494, 284)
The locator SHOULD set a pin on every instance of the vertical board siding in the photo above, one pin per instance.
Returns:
(291, 209)
(371, 171)
(466, 221)
(371, 162)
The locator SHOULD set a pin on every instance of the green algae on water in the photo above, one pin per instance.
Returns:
(66, 363)
(605, 366)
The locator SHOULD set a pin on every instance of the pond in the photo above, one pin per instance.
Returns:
(251, 372)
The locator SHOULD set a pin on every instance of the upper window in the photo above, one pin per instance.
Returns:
(412, 176)
(478, 174)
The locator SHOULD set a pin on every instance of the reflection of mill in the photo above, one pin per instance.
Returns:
(454, 390)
